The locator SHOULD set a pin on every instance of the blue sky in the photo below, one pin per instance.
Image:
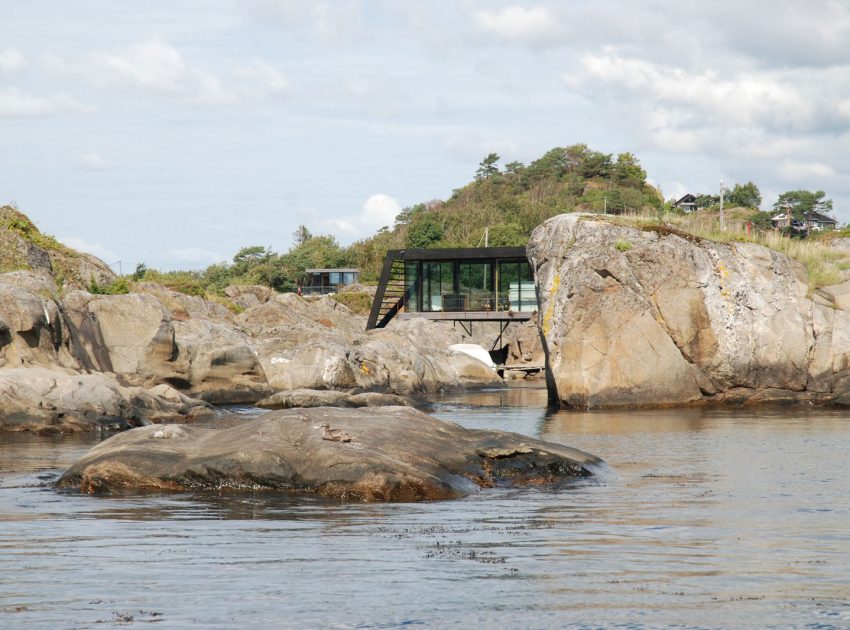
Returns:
(174, 133)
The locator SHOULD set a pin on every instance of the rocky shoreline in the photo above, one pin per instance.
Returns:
(73, 360)
(182, 352)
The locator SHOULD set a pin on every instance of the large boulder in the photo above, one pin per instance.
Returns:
(32, 327)
(248, 295)
(182, 306)
(131, 335)
(382, 454)
(134, 335)
(220, 365)
(654, 317)
(321, 344)
(50, 400)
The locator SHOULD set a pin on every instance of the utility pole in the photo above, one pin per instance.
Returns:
(722, 219)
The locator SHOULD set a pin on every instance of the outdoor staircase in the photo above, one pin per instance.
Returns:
(390, 295)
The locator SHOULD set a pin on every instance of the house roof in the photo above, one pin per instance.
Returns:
(817, 216)
(346, 270)
(689, 198)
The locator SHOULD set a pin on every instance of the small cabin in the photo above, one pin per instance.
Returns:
(460, 284)
(688, 203)
(322, 281)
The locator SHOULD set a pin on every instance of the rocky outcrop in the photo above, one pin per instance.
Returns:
(653, 317)
(134, 335)
(323, 345)
(248, 296)
(303, 398)
(155, 336)
(24, 247)
(524, 346)
(50, 400)
(382, 454)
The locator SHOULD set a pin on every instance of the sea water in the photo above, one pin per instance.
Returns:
(704, 518)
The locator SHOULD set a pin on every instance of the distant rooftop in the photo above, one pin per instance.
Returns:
(338, 270)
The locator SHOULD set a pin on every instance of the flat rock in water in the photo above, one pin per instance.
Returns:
(295, 398)
(303, 398)
(375, 454)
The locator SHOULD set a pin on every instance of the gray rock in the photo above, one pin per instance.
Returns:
(673, 319)
(50, 400)
(300, 398)
(377, 399)
(381, 454)
(303, 398)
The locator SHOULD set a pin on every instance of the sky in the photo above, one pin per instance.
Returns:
(176, 132)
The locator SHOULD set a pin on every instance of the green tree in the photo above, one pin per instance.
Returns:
(425, 231)
(487, 168)
(514, 168)
(508, 235)
(596, 164)
(301, 235)
(627, 171)
(745, 195)
(803, 201)
(406, 215)
(139, 273)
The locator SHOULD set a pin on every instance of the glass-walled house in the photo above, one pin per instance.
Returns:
(321, 281)
(461, 284)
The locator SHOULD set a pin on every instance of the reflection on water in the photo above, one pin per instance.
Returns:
(711, 518)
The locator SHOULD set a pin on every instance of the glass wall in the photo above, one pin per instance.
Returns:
(476, 286)
(458, 286)
(438, 285)
(411, 286)
(516, 288)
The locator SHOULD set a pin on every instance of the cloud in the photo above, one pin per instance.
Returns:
(152, 66)
(91, 162)
(517, 23)
(378, 211)
(471, 145)
(14, 102)
(96, 249)
(806, 171)
(193, 255)
(337, 22)
(12, 60)
(265, 76)
(745, 98)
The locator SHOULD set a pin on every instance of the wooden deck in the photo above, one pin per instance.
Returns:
(470, 316)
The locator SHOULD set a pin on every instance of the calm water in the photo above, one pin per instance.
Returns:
(714, 519)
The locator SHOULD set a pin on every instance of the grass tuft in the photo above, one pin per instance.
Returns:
(823, 263)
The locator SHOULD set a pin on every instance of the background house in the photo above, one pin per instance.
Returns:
(688, 203)
(811, 221)
(329, 280)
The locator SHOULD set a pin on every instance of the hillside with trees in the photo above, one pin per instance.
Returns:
(509, 202)
(500, 207)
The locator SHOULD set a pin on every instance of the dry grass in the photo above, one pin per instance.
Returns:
(823, 264)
